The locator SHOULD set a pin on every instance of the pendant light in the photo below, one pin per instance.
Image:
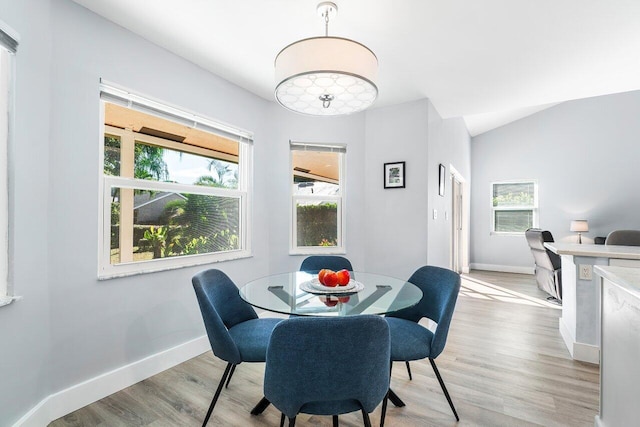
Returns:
(326, 76)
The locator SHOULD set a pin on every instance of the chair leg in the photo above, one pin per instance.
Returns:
(233, 369)
(408, 369)
(384, 409)
(292, 422)
(217, 394)
(282, 420)
(444, 388)
(366, 419)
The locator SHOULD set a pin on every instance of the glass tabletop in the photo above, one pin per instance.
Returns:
(374, 294)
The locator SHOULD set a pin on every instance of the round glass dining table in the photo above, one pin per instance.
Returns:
(293, 293)
(369, 293)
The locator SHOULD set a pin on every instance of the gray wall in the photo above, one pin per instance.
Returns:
(24, 327)
(395, 218)
(401, 234)
(98, 326)
(584, 155)
(449, 145)
(70, 327)
(347, 130)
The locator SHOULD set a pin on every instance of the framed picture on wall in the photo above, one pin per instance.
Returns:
(441, 182)
(394, 175)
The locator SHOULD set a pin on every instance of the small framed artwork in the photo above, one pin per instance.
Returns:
(394, 175)
(441, 177)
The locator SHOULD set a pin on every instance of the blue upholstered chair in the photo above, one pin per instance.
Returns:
(410, 340)
(313, 264)
(235, 332)
(328, 366)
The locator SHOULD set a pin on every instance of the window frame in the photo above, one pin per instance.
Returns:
(340, 200)
(8, 46)
(243, 192)
(533, 209)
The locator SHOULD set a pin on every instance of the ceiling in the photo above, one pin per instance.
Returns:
(489, 61)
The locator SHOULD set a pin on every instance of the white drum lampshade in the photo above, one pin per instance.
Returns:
(326, 76)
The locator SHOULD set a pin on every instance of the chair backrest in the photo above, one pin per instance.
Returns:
(542, 256)
(315, 263)
(221, 308)
(623, 238)
(328, 365)
(440, 287)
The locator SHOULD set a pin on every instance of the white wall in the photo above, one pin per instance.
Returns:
(584, 155)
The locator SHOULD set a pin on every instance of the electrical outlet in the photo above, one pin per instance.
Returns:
(585, 271)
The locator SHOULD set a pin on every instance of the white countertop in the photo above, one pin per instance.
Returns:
(602, 251)
(626, 278)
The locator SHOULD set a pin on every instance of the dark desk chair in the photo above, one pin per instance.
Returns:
(328, 366)
(623, 238)
(313, 264)
(548, 264)
(412, 341)
(235, 332)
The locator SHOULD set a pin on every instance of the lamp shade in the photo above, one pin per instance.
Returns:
(580, 225)
(326, 76)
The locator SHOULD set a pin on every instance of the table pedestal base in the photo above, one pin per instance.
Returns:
(264, 403)
(261, 406)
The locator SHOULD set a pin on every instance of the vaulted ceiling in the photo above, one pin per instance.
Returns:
(489, 61)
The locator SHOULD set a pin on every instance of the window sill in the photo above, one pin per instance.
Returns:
(497, 233)
(134, 269)
(8, 300)
(315, 251)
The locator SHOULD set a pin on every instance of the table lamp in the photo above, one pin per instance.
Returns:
(581, 226)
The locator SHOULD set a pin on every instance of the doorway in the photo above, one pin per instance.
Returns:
(458, 243)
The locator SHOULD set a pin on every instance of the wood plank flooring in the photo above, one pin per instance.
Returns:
(504, 364)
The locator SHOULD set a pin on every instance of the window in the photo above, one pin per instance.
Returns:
(175, 187)
(514, 206)
(8, 46)
(317, 198)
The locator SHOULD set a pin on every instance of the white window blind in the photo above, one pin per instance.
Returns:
(8, 47)
(111, 93)
(514, 206)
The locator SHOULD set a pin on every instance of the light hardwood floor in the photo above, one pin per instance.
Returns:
(504, 365)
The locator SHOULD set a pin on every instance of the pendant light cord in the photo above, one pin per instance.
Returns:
(326, 22)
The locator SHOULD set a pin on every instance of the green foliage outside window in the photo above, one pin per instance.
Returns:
(317, 225)
(193, 224)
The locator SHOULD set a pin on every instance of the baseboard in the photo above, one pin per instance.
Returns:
(586, 353)
(566, 335)
(77, 396)
(502, 268)
(579, 351)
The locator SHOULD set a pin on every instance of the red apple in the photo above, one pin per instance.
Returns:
(331, 279)
(329, 301)
(343, 277)
(321, 275)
